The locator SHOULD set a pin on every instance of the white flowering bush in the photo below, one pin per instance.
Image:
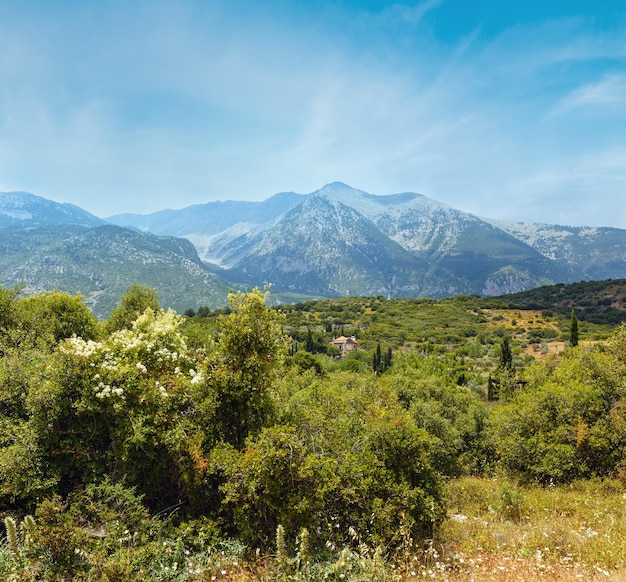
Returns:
(146, 363)
(139, 406)
(126, 399)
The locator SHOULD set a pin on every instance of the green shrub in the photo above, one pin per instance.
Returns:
(347, 457)
(569, 421)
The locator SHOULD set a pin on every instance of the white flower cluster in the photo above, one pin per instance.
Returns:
(153, 347)
(79, 347)
(162, 390)
(106, 391)
(196, 378)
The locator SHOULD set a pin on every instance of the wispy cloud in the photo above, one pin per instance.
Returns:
(411, 14)
(116, 108)
(609, 91)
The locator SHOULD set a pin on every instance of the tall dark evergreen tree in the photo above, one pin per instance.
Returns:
(309, 345)
(506, 355)
(376, 361)
(388, 357)
(573, 331)
(380, 362)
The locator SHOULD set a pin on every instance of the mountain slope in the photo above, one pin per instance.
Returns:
(24, 209)
(213, 225)
(101, 263)
(327, 248)
(602, 302)
(577, 253)
(445, 251)
(333, 242)
(465, 254)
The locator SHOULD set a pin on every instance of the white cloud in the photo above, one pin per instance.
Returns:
(609, 91)
(202, 100)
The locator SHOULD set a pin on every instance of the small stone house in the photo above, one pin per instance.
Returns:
(345, 345)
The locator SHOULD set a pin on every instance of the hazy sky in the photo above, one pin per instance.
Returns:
(507, 109)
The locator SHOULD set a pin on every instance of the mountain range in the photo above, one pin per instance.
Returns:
(343, 241)
(45, 245)
(336, 241)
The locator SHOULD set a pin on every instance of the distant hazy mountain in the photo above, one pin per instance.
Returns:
(213, 225)
(578, 253)
(24, 209)
(333, 242)
(46, 246)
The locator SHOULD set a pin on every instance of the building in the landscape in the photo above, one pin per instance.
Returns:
(345, 345)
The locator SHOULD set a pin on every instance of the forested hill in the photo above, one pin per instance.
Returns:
(602, 302)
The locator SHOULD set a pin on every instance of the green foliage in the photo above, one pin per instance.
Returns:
(511, 502)
(24, 471)
(23, 462)
(197, 418)
(115, 407)
(7, 309)
(346, 457)
(133, 303)
(600, 302)
(42, 320)
(305, 361)
(568, 422)
(573, 330)
(56, 315)
(506, 355)
(309, 345)
(452, 414)
(381, 363)
(243, 366)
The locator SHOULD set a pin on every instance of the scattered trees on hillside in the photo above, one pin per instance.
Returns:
(103, 425)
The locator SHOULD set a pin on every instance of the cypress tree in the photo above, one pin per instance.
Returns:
(506, 356)
(573, 331)
(309, 346)
(388, 357)
(376, 360)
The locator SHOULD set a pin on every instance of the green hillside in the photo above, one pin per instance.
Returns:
(102, 262)
(235, 444)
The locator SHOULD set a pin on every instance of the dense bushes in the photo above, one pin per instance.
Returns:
(569, 421)
(209, 431)
(345, 456)
(437, 394)
(132, 431)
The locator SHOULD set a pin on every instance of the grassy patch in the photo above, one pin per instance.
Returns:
(500, 531)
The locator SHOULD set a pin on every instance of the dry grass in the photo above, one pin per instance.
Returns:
(501, 532)
(496, 532)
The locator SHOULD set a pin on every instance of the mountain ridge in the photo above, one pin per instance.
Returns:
(340, 240)
(465, 254)
(45, 246)
(17, 208)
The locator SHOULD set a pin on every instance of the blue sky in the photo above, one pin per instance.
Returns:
(512, 110)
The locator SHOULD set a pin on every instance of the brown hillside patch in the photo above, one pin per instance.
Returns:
(539, 351)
